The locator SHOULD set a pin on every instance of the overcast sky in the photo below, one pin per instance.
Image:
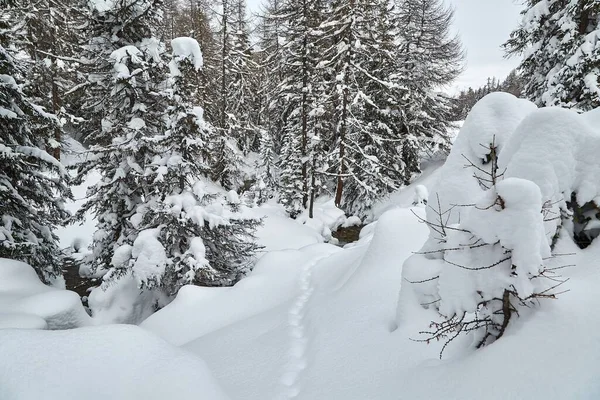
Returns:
(483, 26)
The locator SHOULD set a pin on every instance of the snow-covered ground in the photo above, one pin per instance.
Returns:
(312, 320)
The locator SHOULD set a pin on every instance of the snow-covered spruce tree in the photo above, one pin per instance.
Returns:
(270, 46)
(560, 44)
(302, 91)
(364, 151)
(33, 185)
(266, 171)
(125, 113)
(190, 241)
(429, 58)
(242, 81)
(232, 72)
(49, 43)
(193, 19)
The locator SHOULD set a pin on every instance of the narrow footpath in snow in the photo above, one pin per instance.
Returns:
(298, 333)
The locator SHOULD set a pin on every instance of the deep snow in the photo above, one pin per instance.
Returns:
(315, 321)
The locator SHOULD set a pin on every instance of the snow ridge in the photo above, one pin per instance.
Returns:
(297, 362)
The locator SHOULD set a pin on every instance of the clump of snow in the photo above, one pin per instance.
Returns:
(122, 56)
(110, 362)
(150, 257)
(123, 302)
(185, 48)
(136, 124)
(421, 195)
(352, 221)
(558, 150)
(25, 301)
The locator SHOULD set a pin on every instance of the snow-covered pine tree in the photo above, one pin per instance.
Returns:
(301, 91)
(430, 58)
(125, 113)
(227, 170)
(49, 44)
(270, 41)
(560, 44)
(33, 185)
(242, 81)
(190, 240)
(364, 149)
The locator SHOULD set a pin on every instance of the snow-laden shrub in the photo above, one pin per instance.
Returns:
(488, 127)
(513, 181)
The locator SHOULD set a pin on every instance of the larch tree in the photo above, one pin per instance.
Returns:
(359, 62)
(430, 58)
(227, 170)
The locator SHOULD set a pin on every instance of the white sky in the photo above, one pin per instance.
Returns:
(483, 25)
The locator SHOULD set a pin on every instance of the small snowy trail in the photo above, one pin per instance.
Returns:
(297, 362)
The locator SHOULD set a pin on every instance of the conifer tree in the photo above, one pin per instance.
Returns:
(430, 58)
(561, 56)
(270, 44)
(365, 146)
(50, 42)
(227, 170)
(33, 185)
(302, 92)
(190, 242)
(125, 112)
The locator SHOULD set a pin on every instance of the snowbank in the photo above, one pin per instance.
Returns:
(271, 283)
(111, 362)
(279, 232)
(25, 302)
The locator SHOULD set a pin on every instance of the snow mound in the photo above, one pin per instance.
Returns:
(123, 363)
(493, 120)
(25, 302)
(558, 150)
(271, 283)
(279, 232)
(123, 302)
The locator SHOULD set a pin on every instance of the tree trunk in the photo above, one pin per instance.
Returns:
(304, 111)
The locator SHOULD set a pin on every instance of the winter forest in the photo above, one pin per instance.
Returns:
(299, 199)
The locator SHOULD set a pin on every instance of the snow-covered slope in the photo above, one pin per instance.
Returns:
(314, 323)
(324, 328)
(115, 362)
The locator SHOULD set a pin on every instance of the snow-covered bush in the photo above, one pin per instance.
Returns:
(513, 182)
